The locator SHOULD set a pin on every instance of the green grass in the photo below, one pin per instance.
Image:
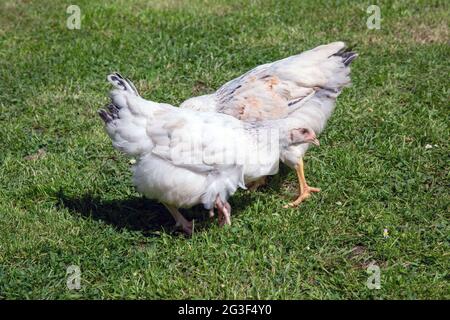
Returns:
(73, 203)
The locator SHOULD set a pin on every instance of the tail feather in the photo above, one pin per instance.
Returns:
(113, 109)
(317, 109)
(122, 83)
(340, 77)
(110, 113)
(131, 84)
(347, 56)
(124, 116)
(105, 115)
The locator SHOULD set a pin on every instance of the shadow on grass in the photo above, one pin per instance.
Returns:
(134, 213)
(150, 217)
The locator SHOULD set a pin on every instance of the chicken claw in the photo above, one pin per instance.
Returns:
(304, 190)
(224, 212)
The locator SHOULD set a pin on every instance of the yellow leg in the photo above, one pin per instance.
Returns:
(304, 189)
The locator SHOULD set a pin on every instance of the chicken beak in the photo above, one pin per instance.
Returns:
(315, 141)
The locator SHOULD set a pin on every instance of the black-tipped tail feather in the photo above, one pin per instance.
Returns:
(347, 56)
(110, 113)
(113, 110)
(122, 83)
(105, 115)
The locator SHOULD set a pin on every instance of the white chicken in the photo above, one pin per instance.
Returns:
(302, 87)
(184, 157)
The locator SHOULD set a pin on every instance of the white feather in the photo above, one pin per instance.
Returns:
(302, 87)
(186, 157)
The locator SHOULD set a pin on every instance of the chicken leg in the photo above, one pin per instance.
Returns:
(180, 221)
(304, 189)
(224, 212)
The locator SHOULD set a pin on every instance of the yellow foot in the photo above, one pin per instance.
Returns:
(303, 196)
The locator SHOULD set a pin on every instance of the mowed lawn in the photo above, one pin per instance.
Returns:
(66, 196)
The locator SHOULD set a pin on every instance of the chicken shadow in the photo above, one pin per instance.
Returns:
(138, 213)
(134, 213)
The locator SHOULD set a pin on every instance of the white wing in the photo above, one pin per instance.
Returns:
(176, 148)
(274, 90)
(198, 141)
(202, 143)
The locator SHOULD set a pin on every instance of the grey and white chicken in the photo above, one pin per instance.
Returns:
(302, 87)
(184, 157)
